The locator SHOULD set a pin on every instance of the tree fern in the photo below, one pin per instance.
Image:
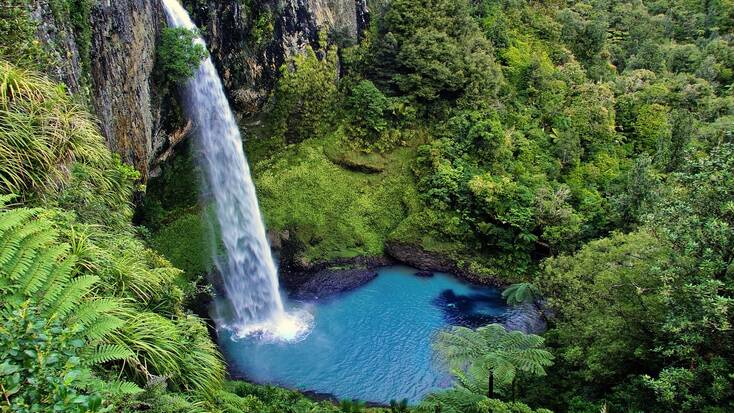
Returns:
(521, 293)
(493, 353)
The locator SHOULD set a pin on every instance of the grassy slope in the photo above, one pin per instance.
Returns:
(335, 211)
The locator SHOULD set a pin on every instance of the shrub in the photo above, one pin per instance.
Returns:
(303, 101)
(366, 107)
(179, 54)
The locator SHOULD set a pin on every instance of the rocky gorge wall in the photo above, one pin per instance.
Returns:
(124, 36)
(113, 70)
(250, 40)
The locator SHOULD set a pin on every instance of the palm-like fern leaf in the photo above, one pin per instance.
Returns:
(491, 350)
(521, 293)
(91, 311)
(105, 353)
(70, 296)
(102, 327)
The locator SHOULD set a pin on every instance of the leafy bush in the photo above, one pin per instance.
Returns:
(367, 107)
(52, 331)
(303, 102)
(432, 50)
(179, 54)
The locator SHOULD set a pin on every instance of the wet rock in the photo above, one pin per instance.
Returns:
(428, 261)
(57, 37)
(329, 282)
(249, 44)
(301, 280)
(424, 274)
(117, 83)
(124, 35)
(526, 318)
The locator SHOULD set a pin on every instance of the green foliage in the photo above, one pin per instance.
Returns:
(463, 401)
(263, 26)
(488, 355)
(82, 265)
(303, 102)
(647, 312)
(521, 293)
(367, 107)
(333, 212)
(432, 50)
(18, 43)
(179, 54)
(78, 14)
(194, 256)
(42, 132)
(52, 330)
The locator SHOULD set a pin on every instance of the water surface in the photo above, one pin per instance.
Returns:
(373, 343)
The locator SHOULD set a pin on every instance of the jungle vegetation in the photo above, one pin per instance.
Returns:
(583, 150)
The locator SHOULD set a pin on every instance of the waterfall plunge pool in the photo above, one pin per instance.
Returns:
(372, 343)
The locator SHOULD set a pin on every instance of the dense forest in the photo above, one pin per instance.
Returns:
(580, 153)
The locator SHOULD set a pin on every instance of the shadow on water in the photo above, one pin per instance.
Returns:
(470, 310)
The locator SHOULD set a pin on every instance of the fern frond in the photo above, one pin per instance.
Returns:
(15, 217)
(41, 270)
(102, 327)
(91, 311)
(122, 388)
(55, 284)
(70, 296)
(105, 353)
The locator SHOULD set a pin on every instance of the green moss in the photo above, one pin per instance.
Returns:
(185, 244)
(333, 211)
(18, 43)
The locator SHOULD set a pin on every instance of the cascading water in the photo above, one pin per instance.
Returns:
(253, 304)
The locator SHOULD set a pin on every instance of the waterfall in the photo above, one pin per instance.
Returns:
(253, 302)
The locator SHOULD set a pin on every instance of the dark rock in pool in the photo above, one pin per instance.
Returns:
(424, 274)
(328, 282)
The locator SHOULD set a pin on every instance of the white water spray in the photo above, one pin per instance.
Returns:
(254, 304)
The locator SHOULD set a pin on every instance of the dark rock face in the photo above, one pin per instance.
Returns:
(329, 282)
(58, 39)
(122, 50)
(427, 261)
(250, 44)
(316, 281)
(124, 34)
(419, 258)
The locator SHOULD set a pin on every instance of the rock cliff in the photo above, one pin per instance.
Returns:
(249, 41)
(113, 68)
(110, 69)
(124, 34)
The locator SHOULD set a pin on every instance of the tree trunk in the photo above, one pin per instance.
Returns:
(514, 380)
(490, 390)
